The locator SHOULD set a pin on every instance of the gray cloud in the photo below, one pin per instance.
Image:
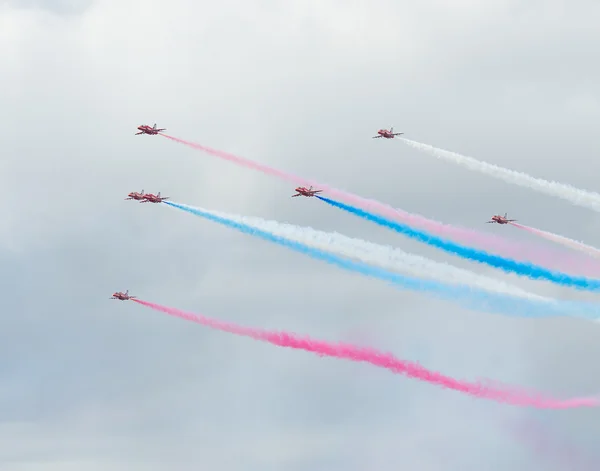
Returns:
(59, 7)
(89, 383)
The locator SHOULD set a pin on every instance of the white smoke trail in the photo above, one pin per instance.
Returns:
(381, 255)
(574, 244)
(587, 199)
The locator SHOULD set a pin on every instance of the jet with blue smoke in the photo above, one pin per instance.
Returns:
(506, 264)
(471, 297)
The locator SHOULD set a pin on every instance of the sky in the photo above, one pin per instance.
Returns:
(90, 384)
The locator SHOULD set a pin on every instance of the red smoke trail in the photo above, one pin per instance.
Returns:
(383, 360)
(574, 244)
(545, 257)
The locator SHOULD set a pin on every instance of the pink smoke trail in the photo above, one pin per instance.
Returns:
(574, 244)
(383, 360)
(513, 249)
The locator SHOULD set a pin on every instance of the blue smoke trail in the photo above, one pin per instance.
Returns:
(471, 297)
(505, 264)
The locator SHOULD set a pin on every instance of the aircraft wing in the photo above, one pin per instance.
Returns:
(298, 194)
(376, 137)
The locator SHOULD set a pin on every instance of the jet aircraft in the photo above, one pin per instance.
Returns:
(308, 192)
(145, 129)
(387, 134)
(500, 219)
(122, 296)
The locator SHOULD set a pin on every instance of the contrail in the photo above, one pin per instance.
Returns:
(499, 393)
(505, 264)
(574, 244)
(509, 248)
(384, 256)
(584, 198)
(469, 296)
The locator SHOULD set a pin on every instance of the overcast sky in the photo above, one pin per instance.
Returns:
(90, 384)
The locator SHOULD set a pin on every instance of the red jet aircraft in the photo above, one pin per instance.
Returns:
(308, 192)
(150, 198)
(387, 134)
(134, 195)
(500, 219)
(145, 129)
(122, 296)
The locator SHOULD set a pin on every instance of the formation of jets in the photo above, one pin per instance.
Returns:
(153, 131)
(300, 191)
(146, 197)
(497, 219)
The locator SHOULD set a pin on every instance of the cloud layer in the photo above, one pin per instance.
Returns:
(91, 384)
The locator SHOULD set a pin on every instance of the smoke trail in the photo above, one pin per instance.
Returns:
(354, 353)
(593, 251)
(510, 266)
(470, 297)
(508, 248)
(384, 256)
(587, 199)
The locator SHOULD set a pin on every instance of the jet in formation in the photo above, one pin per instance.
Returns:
(308, 192)
(497, 219)
(145, 129)
(122, 296)
(146, 197)
(387, 134)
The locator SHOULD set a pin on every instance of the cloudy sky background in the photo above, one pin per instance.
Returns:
(90, 384)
